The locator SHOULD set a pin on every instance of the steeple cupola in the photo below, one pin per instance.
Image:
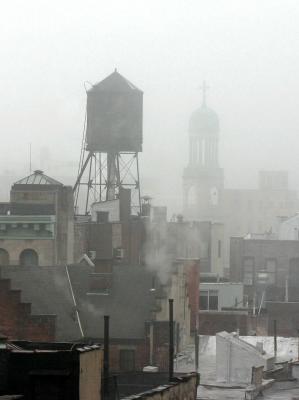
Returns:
(204, 135)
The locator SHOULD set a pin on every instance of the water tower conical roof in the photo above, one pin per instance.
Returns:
(115, 82)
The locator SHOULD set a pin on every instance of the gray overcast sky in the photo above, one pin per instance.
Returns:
(247, 50)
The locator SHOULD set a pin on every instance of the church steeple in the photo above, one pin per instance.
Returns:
(204, 132)
(203, 178)
(204, 88)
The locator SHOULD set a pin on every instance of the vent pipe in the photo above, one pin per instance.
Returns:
(106, 356)
(275, 337)
(171, 345)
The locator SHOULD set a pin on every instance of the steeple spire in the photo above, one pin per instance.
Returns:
(204, 87)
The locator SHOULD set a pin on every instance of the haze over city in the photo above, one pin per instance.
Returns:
(149, 202)
(246, 51)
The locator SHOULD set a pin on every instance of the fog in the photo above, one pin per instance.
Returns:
(247, 51)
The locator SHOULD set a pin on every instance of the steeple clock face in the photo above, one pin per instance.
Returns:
(214, 196)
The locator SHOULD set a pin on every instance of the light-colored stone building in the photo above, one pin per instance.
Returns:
(37, 225)
(217, 296)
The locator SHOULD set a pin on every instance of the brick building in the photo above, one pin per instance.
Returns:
(222, 308)
(269, 270)
(110, 233)
(113, 276)
(271, 265)
(17, 320)
(71, 301)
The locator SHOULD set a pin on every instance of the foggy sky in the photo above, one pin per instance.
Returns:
(247, 51)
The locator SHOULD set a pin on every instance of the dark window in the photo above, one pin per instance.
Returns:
(213, 300)
(219, 248)
(248, 271)
(208, 300)
(266, 275)
(270, 267)
(28, 257)
(204, 300)
(127, 360)
(102, 217)
(4, 257)
(99, 283)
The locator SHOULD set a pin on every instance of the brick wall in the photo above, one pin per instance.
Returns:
(16, 321)
(192, 270)
(212, 322)
(141, 356)
(184, 387)
(287, 317)
(141, 348)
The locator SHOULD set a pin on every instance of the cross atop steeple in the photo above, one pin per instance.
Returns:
(204, 87)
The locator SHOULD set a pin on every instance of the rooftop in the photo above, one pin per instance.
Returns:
(115, 82)
(38, 178)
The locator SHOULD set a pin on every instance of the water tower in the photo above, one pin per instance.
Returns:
(111, 142)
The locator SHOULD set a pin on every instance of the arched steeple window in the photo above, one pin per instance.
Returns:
(192, 198)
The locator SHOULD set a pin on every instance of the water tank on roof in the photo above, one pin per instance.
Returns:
(114, 116)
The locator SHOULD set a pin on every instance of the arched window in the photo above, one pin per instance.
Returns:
(28, 257)
(4, 257)
(192, 198)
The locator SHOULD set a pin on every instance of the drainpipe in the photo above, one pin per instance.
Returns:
(229, 362)
(275, 337)
(171, 346)
(196, 349)
(106, 356)
(151, 342)
(287, 289)
(254, 303)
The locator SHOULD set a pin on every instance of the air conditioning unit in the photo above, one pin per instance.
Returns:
(92, 254)
(119, 253)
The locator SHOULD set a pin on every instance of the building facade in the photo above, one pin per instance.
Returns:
(37, 225)
(271, 265)
(240, 211)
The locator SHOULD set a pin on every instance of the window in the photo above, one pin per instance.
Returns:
(28, 257)
(192, 198)
(213, 300)
(4, 257)
(219, 248)
(266, 275)
(270, 267)
(204, 300)
(208, 300)
(248, 271)
(127, 360)
(102, 217)
(100, 283)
